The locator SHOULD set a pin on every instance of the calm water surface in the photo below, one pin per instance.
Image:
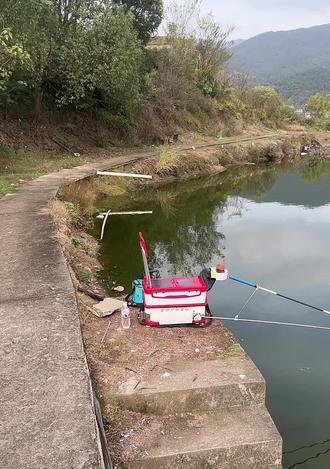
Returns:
(272, 226)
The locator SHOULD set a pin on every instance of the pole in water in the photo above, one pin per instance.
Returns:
(259, 287)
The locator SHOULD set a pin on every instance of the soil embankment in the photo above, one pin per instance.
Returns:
(171, 164)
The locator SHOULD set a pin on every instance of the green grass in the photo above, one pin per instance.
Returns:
(5, 187)
(83, 276)
(78, 243)
(19, 166)
(167, 160)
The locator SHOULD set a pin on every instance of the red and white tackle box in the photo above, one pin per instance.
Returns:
(172, 301)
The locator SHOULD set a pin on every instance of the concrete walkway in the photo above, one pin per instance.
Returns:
(46, 409)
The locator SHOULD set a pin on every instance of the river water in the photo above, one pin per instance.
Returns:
(272, 226)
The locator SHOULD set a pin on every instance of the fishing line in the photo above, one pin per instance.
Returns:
(275, 323)
(316, 456)
(246, 303)
(307, 446)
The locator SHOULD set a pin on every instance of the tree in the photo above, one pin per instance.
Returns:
(36, 27)
(71, 12)
(212, 52)
(83, 53)
(11, 55)
(319, 105)
(102, 65)
(148, 15)
(264, 104)
(187, 71)
(202, 41)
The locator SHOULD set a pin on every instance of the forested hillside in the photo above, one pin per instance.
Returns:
(300, 86)
(296, 62)
(90, 64)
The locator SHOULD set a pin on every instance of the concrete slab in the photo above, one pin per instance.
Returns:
(107, 307)
(208, 385)
(42, 366)
(244, 438)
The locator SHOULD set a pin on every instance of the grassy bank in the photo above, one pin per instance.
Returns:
(31, 149)
(172, 164)
(17, 167)
(28, 150)
(21, 165)
(80, 248)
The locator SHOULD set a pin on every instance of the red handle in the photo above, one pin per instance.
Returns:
(143, 244)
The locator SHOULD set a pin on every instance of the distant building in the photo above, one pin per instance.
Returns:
(304, 112)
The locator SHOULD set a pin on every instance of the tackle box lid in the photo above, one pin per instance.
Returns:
(174, 285)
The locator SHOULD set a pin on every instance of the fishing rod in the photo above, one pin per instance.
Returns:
(272, 323)
(259, 287)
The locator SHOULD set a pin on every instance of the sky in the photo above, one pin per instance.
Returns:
(251, 17)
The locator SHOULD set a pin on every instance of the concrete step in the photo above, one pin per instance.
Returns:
(188, 387)
(244, 438)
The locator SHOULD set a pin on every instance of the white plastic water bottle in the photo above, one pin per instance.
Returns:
(125, 316)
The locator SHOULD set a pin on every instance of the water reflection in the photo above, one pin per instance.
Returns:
(184, 232)
(272, 225)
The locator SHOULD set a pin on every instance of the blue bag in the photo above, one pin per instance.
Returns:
(137, 292)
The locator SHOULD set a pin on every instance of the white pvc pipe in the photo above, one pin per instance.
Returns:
(104, 223)
(102, 215)
(127, 175)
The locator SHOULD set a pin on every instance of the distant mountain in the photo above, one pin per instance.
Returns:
(296, 62)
